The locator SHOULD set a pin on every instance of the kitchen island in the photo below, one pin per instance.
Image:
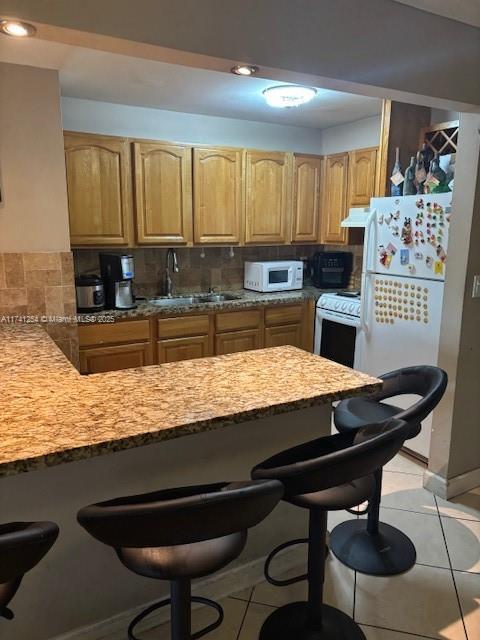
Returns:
(203, 420)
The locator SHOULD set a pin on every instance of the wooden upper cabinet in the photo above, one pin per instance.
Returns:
(163, 193)
(334, 208)
(268, 178)
(99, 189)
(306, 195)
(361, 176)
(217, 195)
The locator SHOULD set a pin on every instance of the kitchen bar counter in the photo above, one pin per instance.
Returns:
(50, 414)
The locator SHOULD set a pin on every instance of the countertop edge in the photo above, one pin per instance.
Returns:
(15, 467)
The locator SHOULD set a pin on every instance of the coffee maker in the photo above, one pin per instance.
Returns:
(118, 273)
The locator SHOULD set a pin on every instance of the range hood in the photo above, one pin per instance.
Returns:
(357, 217)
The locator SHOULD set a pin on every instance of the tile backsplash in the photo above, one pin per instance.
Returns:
(41, 285)
(216, 269)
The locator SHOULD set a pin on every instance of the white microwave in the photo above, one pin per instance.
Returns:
(276, 275)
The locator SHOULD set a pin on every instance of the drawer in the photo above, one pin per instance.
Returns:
(128, 331)
(283, 314)
(183, 326)
(238, 320)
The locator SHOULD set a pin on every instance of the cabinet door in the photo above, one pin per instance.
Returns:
(163, 193)
(176, 349)
(306, 196)
(334, 208)
(235, 341)
(217, 195)
(99, 189)
(125, 356)
(268, 197)
(361, 176)
(289, 334)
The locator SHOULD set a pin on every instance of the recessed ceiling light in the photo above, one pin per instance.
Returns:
(288, 95)
(17, 29)
(245, 69)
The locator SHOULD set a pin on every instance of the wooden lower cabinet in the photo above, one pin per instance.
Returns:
(113, 358)
(235, 341)
(136, 343)
(290, 334)
(189, 348)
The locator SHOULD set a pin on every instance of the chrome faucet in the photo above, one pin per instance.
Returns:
(168, 277)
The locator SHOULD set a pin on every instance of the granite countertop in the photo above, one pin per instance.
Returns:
(50, 414)
(146, 309)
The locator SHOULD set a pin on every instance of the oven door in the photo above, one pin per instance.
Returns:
(278, 278)
(335, 339)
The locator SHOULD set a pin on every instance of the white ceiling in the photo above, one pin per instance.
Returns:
(467, 11)
(98, 75)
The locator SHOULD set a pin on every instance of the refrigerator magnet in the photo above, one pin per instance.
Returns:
(418, 255)
(411, 269)
(388, 218)
(441, 253)
(380, 219)
(438, 270)
(404, 256)
(395, 230)
(429, 262)
(407, 237)
(396, 215)
(391, 248)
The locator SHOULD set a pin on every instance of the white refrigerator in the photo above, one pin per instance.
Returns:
(404, 262)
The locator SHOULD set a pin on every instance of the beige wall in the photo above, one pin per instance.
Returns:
(455, 448)
(34, 214)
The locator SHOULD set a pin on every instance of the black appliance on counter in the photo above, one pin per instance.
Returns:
(331, 269)
(118, 273)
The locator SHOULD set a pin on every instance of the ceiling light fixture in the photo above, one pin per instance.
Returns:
(288, 95)
(17, 29)
(245, 69)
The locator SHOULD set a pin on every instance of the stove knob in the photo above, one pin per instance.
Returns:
(344, 306)
(336, 305)
(351, 309)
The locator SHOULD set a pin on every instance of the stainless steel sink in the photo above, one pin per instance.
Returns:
(181, 301)
(219, 297)
(185, 301)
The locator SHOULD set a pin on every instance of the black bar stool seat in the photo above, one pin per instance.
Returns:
(180, 534)
(330, 473)
(194, 560)
(345, 496)
(22, 546)
(371, 546)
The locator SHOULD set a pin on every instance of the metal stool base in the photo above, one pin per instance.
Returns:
(386, 553)
(290, 623)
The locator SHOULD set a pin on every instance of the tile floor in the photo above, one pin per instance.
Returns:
(439, 598)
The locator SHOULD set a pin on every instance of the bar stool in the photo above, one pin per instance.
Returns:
(22, 546)
(180, 534)
(374, 547)
(330, 473)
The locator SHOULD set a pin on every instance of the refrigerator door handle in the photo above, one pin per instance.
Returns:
(364, 302)
(368, 253)
(368, 267)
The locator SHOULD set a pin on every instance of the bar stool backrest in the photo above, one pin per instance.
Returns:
(334, 460)
(22, 546)
(182, 515)
(425, 381)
